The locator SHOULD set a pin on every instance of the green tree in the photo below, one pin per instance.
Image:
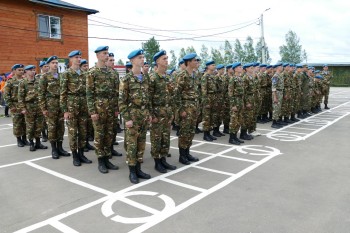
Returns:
(228, 53)
(182, 53)
(304, 56)
(258, 49)
(190, 50)
(120, 62)
(204, 54)
(249, 51)
(150, 48)
(217, 56)
(173, 62)
(292, 51)
(238, 55)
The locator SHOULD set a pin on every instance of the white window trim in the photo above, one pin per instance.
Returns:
(59, 37)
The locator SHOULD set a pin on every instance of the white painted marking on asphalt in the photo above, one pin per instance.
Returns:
(295, 127)
(70, 179)
(183, 185)
(6, 125)
(6, 128)
(23, 162)
(62, 227)
(214, 170)
(236, 158)
(15, 144)
(215, 143)
(199, 144)
(139, 205)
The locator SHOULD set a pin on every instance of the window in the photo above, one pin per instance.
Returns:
(49, 26)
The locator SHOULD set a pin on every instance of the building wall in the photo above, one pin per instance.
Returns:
(24, 46)
(341, 75)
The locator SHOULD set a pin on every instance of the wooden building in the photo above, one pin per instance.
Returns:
(33, 30)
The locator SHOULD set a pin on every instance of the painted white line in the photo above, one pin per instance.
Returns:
(70, 179)
(62, 227)
(6, 128)
(139, 206)
(6, 125)
(199, 144)
(23, 162)
(291, 132)
(214, 170)
(183, 185)
(214, 143)
(296, 127)
(265, 129)
(236, 158)
(15, 144)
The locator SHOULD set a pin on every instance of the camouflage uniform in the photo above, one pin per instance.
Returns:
(11, 98)
(101, 95)
(28, 100)
(225, 113)
(209, 101)
(263, 93)
(199, 78)
(278, 87)
(161, 107)
(134, 105)
(269, 95)
(326, 82)
(249, 98)
(187, 101)
(305, 92)
(236, 97)
(49, 99)
(257, 97)
(287, 94)
(296, 89)
(116, 118)
(73, 100)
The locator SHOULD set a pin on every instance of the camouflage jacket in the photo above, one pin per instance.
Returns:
(49, 87)
(208, 87)
(277, 82)
(160, 95)
(236, 90)
(27, 92)
(11, 91)
(327, 76)
(186, 90)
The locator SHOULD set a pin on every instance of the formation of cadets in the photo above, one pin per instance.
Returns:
(90, 101)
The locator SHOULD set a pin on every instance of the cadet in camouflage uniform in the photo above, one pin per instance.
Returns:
(116, 126)
(226, 108)
(209, 101)
(101, 95)
(219, 99)
(270, 73)
(311, 75)
(44, 69)
(134, 107)
(304, 93)
(73, 105)
(176, 112)
(257, 97)
(28, 104)
(49, 102)
(187, 106)
(295, 94)
(161, 109)
(263, 77)
(236, 98)
(277, 95)
(199, 83)
(287, 94)
(11, 98)
(326, 82)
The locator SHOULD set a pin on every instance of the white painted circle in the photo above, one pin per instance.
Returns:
(286, 137)
(259, 150)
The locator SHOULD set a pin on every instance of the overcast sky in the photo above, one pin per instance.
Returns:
(322, 26)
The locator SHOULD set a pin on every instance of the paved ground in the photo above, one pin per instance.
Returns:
(295, 179)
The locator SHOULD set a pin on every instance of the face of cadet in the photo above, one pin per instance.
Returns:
(76, 60)
(53, 65)
(138, 60)
(110, 62)
(163, 61)
(84, 67)
(102, 56)
(45, 68)
(19, 72)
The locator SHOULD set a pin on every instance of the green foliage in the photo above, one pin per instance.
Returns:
(249, 52)
(173, 61)
(120, 62)
(182, 53)
(258, 50)
(150, 48)
(190, 50)
(238, 52)
(228, 53)
(292, 52)
(217, 56)
(204, 55)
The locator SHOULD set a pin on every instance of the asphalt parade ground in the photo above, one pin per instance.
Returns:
(293, 179)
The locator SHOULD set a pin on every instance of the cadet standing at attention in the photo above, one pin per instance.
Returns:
(73, 106)
(277, 95)
(187, 105)
(44, 69)
(134, 107)
(11, 98)
(49, 102)
(101, 95)
(326, 82)
(28, 105)
(162, 113)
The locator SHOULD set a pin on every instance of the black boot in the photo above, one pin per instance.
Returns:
(216, 132)
(20, 142)
(90, 138)
(31, 145)
(119, 130)
(140, 173)
(279, 121)
(293, 118)
(110, 165)
(258, 119)
(82, 157)
(159, 166)
(132, 175)
(226, 129)
(306, 114)
(54, 151)
(102, 165)
(206, 136)
(114, 152)
(167, 165)
(264, 119)
(326, 107)
(270, 116)
(198, 130)
(211, 136)
(276, 125)
(25, 141)
(60, 149)
(244, 135)
(183, 158)
(286, 120)
(44, 135)
(7, 111)
(38, 144)
(76, 160)
(190, 157)
(233, 139)
(88, 146)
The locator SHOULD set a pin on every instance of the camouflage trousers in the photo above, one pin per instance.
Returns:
(304, 101)
(325, 92)
(236, 119)
(257, 104)
(77, 124)
(19, 124)
(269, 99)
(54, 120)
(286, 108)
(264, 104)
(34, 121)
(226, 113)
(188, 125)
(135, 136)
(89, 127)
(103, 129)
(276, 107)
(210, 115)
(249, 114)
(160, 135)
(295, 102)
(115, 127)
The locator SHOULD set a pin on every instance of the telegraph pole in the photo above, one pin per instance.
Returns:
(263, 48)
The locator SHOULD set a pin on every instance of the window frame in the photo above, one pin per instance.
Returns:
(39, 36)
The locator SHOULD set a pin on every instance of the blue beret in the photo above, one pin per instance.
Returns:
(50, 59)
(319, 76)
(111, 55)
(325, 65)
(291, 65)
(317, 71)
(83, 62)
(262, 65)
(269, 66)
(310, 68)
(229, 66)
(256, 64)
(299, 66)
(220, 66)
(236, 64)
(74, 53)
(158, 55)
(128, 64)
(135, 53)
(145, 63)
(181, 62)
(247, 65)
(189, 56)
(29, 67)
(42, 63)
(16, 66)
(101, 48)
(278, 64)
(210, 62)
(285, 64)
